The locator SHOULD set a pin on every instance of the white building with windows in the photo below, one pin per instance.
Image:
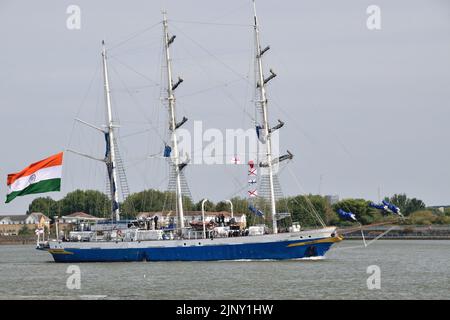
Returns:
(12, 224)
(32, 218)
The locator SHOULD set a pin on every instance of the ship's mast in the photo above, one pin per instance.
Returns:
(172, 121)
(110, 157)
(262, 103)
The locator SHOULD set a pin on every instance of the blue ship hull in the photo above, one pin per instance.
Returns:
(244, 251)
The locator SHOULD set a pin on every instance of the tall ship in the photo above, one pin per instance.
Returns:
(119, 240)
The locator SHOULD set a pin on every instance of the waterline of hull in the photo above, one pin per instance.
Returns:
(275, 250)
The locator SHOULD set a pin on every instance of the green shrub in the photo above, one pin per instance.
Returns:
(25, 231)
(423, 217)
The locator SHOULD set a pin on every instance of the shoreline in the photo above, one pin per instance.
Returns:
(388, 237)
(399, 232)
(17, 240)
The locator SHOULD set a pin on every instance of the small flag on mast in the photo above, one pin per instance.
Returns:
(235, 160)
(252, 193)
(39, 177)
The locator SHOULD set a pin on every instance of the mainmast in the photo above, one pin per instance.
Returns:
(173, 125)
(261, 101)
(110, 156)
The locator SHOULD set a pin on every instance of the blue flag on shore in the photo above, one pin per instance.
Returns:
(392, 208)
(347, 215)
(258, 212)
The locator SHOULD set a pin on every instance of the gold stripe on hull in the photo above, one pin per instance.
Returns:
(59, 251)
(327, 240)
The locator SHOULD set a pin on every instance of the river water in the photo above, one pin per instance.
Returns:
(409, 269)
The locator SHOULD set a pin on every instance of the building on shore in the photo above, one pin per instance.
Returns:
(78, 216)
(12, 224)
(440, 208)
(332, 199)
(67, 223)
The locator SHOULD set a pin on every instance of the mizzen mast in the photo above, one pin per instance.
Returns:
(173, 125)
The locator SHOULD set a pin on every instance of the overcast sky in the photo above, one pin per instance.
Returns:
(364, 110)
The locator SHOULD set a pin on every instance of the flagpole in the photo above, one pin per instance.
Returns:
(56, 228)
(203, 218)
(231, 205)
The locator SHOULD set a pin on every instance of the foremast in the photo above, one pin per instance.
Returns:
(173, 125)
(110, 155)
(261, 102)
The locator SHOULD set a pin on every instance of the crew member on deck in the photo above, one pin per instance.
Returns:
(156, 222)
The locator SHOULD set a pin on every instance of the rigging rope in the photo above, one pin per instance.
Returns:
(225, 84)
(213, 56)
(156, 84)
(222, 84)
(133, 35)
(317, 216)
(133, 99)
(212, 23)
(230, 12)
(82, 104)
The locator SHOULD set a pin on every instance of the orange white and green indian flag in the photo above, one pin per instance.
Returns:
(39, 177)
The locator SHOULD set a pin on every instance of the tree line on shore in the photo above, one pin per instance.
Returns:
(303, 208)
